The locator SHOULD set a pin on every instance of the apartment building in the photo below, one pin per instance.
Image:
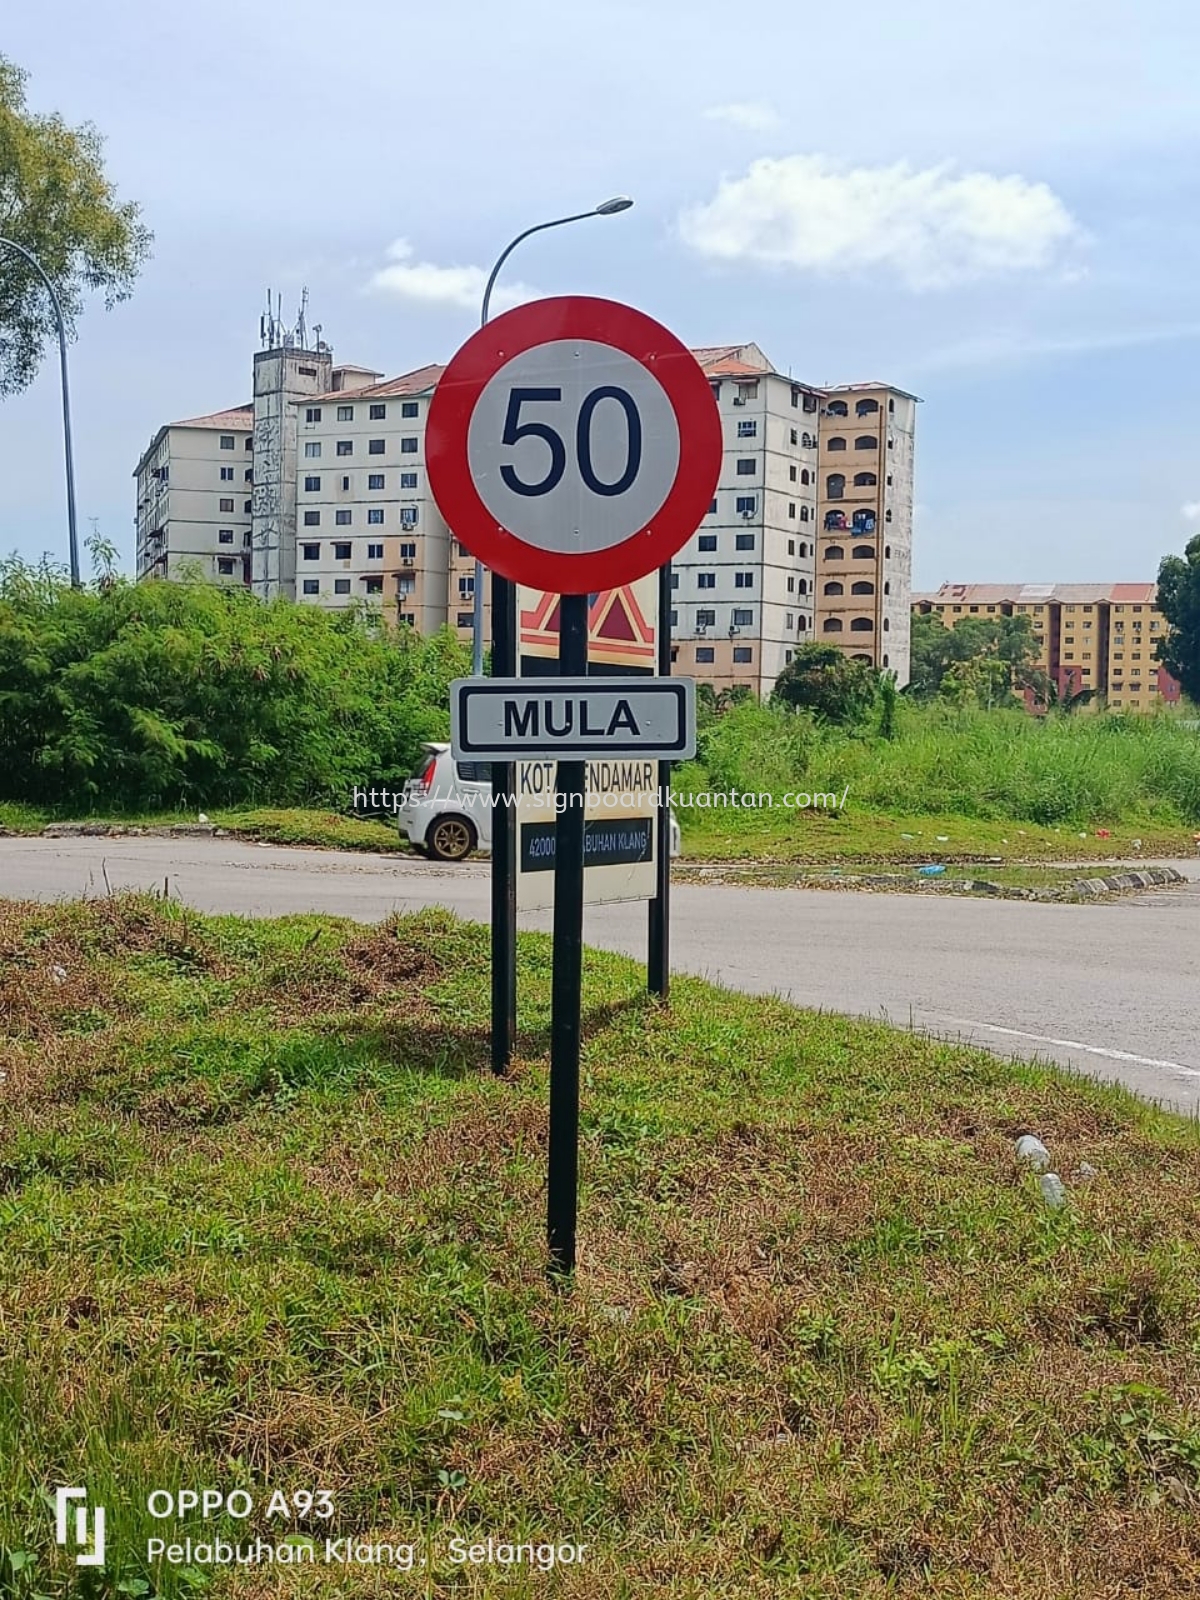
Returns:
(865, 501)
(337, 509)
(1090, 636)
(194, 488)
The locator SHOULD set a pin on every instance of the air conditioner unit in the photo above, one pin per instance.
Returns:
(748, 516)
(738, 401)
(406, 561)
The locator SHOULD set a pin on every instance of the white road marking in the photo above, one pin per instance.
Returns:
(1075, 1044)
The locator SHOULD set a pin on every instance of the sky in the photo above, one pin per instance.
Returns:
(995, 208)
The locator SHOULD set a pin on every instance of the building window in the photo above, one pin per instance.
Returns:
(375, 480)
(341, 552)
(861, 625)
(248, 475)
(803, 513)
(706, 541)
(866, 408)
(792, 474)
(866, 441)
(466, 585)
(345, 482)
(226, 474)
(377, 411)
(250, 442)
(706, 617)
(747, 429)
(374, 515)
(225, 505)
(803, 585)
(746, 467)
(706, 580)
(862, 587)
(408, 480)
(375, 447)
(742, 654)
(791, 584)
(675, 579)
(832, 625)
(341, 586)
(408, 516)
(743, 617)
(312, 449)
(313, 414)
(674, 619)
(409, 408)
(345, 413)
(408, 447)
(746, 505)
(227, 441)
(312, 519)
(791, 508)
(865, 480)
(836, 408)
(743, 580)
(744, 541)
(712, 510)
(373, 585)
(345, 447)
(408, 552)
(835, 485)
(834, 552)
(374, 552)
(225, 567)
(312, 552)
(864, 552)
(312, 586)
(795, 395)
(803, 548)
(225, 536)
(704, 654)
(343, 517)
(834, 588)
(247, 506)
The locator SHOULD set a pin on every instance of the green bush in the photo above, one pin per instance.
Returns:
(140, 697)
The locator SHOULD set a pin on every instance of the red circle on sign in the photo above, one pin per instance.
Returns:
(605, 322)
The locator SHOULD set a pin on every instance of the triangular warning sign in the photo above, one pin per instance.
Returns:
(618, 632)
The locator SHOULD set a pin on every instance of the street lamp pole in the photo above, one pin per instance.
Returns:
(607, 208)
(72, 531)
(504, 665)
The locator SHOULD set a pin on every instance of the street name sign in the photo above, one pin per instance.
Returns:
(572, 719)
(573, 444)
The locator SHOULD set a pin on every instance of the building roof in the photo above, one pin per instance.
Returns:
(854, 388)
(416, 382)
(234, 417)
(1038, 593)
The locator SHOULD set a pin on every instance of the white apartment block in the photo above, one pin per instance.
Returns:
(194, 488)
(334, 508)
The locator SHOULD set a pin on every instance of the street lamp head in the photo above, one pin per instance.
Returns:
(609, 208)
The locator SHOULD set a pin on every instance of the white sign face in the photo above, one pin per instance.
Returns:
(619, 832)
(573, 446)
(504, 719)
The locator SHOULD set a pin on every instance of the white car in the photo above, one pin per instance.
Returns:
(446, 810)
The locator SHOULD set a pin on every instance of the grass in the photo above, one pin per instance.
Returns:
(267, 1220)
(328, 830)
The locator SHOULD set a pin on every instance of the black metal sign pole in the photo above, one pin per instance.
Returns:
(504, 844)
(658, 965)
(567, 969)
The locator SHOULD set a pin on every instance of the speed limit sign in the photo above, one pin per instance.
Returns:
(573, 445)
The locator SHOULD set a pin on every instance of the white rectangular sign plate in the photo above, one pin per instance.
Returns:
(506, 719)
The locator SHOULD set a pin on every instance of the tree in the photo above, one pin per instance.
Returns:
(1179, 602)
(945, 661)
(56, 200)
(821, 679)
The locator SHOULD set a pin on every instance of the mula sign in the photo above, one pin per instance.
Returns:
(508, 719)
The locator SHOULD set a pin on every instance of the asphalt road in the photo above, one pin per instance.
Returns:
(1111, 989)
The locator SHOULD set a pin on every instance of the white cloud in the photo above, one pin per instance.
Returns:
(1191, 510)
(749, 114)
(1008, 349)
(447, 286)
(932, 228)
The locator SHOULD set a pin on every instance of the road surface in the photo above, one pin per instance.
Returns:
(1111, 989)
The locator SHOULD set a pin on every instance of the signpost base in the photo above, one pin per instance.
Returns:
(566, 980)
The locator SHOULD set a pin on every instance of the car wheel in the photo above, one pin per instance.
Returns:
(450, 839)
